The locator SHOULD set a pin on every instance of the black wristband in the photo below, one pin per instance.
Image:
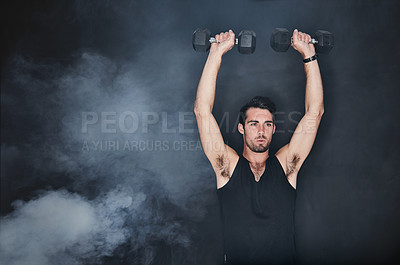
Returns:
(312, 58)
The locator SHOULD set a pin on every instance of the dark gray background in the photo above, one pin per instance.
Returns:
(62, 204)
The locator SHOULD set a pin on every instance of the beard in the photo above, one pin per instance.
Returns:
(258, 147)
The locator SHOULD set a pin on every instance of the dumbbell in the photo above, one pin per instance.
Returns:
(202, 40)
(281, 40)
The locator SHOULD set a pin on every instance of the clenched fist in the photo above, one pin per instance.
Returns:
(301, 43)
(225, 42)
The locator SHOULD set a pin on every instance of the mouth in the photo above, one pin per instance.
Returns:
(260, 140)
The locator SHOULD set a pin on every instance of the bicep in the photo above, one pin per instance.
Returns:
(211, 140)
(222, 157)
(210, 135)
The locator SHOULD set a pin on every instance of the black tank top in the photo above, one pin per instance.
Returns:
(258, 217)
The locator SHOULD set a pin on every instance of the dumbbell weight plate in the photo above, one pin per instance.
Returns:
(247, 41)
(325, 41)
(201, 40)
(280, 40)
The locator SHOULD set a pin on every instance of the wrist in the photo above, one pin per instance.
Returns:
(311, 58)
(215, 54)
(308, 55)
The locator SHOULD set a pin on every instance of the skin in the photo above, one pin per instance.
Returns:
(257, 131)
(257, 136)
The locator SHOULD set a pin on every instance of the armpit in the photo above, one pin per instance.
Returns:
(292, 163)
(223, 166)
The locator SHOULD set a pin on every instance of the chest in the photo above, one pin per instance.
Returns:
(257, 169)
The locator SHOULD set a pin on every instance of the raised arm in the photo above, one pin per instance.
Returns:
(293, 154)
(221, 156)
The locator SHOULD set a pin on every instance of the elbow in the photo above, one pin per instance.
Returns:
(196, 111)
(201, 109)
(318, 112)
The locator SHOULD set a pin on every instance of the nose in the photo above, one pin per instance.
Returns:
(261, 129)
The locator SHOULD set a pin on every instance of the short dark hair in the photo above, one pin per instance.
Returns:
(257, 102)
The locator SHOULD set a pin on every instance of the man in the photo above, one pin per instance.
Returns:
(257, 191)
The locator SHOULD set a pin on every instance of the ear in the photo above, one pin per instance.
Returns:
(274, 129)
(240, 128)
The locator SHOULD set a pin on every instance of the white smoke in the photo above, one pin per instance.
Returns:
(147, 217)
(66, 228)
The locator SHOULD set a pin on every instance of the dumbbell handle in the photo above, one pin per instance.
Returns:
(313, 41)
(212, 40)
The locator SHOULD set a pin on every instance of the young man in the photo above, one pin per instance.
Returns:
(257, 191)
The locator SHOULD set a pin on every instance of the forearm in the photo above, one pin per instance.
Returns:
(207, 84)
(314, 99)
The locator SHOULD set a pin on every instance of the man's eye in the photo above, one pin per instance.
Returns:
(253, 124)
(269, 124)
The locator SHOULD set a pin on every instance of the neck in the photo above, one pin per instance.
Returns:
(254, 157)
